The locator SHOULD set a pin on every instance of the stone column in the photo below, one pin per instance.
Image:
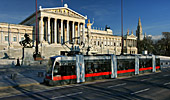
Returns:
(41, 29)
(55, 30)
(1, 36)
(109, 42)
(133, 43)
(126, 43)
(100, 41)
(9, 35)
(83, 32)
(106, 42)
(48, 30)
(18, 39)
(73, 32)
(61, 31)
(78, 33)
(67, 31)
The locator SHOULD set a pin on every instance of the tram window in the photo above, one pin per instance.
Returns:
(144, 63)
(125, 64)
(120, 67)
(69, 69)
(149, 63)
(157, 62)
(73, 70)
(96, 66)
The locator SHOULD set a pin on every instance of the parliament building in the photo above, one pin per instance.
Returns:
(58, 29)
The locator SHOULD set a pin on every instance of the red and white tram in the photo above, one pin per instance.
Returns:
(81, 68)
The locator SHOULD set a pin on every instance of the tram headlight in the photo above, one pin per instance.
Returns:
(55, 71)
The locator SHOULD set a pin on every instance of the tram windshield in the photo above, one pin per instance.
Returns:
(65, 68)
(50, 66)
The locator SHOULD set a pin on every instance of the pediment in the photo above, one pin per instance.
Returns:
(64, 11)
(130, 36)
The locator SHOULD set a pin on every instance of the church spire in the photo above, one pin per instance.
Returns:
(139, 32)
(139, 22)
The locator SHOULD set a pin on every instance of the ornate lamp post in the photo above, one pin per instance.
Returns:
(36, 55)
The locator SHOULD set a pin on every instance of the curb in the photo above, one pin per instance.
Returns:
(123, 77)
(21, 85)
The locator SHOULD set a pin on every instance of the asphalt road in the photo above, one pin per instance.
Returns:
(155, 86)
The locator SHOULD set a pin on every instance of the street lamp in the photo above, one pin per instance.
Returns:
(36, 54)
(122, 26)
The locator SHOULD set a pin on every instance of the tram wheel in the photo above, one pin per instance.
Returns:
(51, 83)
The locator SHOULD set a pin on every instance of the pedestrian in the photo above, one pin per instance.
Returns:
(18, 62)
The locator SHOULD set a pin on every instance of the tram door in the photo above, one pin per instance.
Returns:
(80, 69)
(153, 63)
(113, 66)
(136, 65)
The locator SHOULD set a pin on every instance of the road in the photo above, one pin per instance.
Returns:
(155, 86)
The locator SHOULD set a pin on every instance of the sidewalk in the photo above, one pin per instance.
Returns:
(21, 76)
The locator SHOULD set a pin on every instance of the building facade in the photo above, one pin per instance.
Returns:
(59, 28)
(130, 43)
(11, 34)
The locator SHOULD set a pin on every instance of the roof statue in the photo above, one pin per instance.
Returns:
(89, 35)
(132, 32)
(128, 32)
(65, 5)
(106, 27)
(40, 7)
(90, 24)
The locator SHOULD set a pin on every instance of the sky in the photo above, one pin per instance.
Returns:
(154, 14)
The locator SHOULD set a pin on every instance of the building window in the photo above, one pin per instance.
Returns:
(22, 38)
(94, 42)
(14, 39)
(114, 44)
(6, 38)
(105, 42)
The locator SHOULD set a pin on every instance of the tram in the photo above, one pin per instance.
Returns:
(164, 61)
(82, 68)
